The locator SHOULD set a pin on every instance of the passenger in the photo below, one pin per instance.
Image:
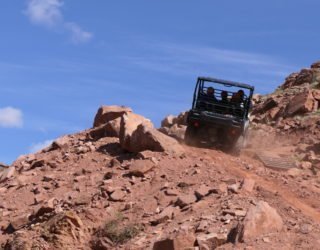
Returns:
(210, 93)
(237, 102)
(241, 96)
(210, 99)
(224, 97)
(224, 102)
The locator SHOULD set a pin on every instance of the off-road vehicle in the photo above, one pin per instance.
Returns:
(219, 113)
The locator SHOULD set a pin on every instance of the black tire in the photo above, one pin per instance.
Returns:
(190, 136)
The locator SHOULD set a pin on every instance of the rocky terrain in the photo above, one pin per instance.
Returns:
(123, 184)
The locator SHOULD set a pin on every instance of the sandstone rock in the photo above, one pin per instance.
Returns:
(203, 226)
(260, 219)
(109, 129)
(65, 230)
(234, 188)
(202, 191)
(129, 124)
(248, 185)
(316, 94)
(184, 200)
(60, 143)
(147, 154)
(315, 65)
(168, 121)
(148, 138)
(17, 223)
(38, 164)
(109, 113)
(177, 131)
(6, 173)
(265, 106)
(117, 195)
(300, 104)
(140, 167)
(184, 241)
(167, 214)
(212, 240)
(305, 165)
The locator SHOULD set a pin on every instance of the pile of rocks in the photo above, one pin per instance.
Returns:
(135, 132)
(175, 126)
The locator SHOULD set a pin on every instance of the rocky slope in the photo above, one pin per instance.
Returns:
(125, 185)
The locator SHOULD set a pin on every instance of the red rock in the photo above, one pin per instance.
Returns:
(212, 240)
(316, 94)
(140, 167)
(300, 104)
(117, 195)
(183, 241)
(109, 129)
(265, 106)
(109, 113)
(202, 192)
(177, 131)
(168, 121)
(148, 138)
(6, 173)
(167, 214)
(184, 200)
(129, 124)
(248, 185)
(17, 223)
(315, 65)
(260, 219)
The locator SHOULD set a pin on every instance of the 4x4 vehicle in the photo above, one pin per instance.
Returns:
(219, 113)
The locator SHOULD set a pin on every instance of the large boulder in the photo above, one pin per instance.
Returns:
(108, 113)
(260, 219)
(110, 129)
(129, 124)
(301, 104)
(137, 134)
(146, 137)
(265, 106)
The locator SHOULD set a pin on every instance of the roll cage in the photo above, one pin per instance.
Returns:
(215, 103)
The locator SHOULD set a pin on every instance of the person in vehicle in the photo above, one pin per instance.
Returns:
(209, 99)
(237, 102)
(224, 103)
(210, 93)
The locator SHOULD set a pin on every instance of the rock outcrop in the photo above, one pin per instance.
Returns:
(109, 113)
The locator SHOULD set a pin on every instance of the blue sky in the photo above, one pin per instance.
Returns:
(61, 59)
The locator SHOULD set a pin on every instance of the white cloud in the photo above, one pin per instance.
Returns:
(11, 117)
(78, 35)
(39, 146)
(45, 12)
(48, 13)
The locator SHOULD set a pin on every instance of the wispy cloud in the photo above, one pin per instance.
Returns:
(78, 35)
(190, 60)
(44, 12)
(39, 146)
(182, 58)
(48, 13)
(11, 118)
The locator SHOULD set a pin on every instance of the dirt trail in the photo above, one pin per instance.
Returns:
(271, 185)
